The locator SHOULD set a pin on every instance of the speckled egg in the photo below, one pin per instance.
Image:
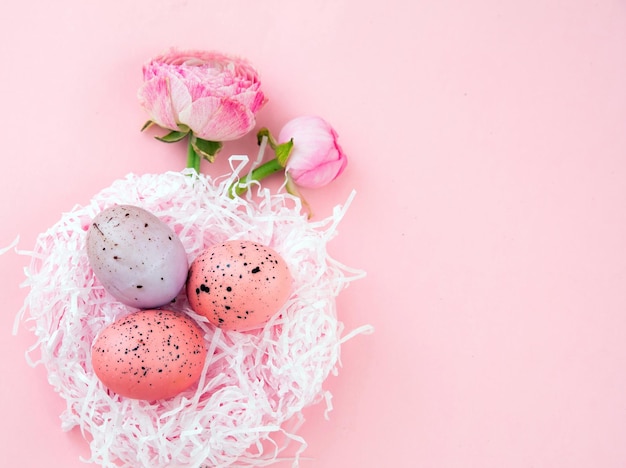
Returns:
(149, 354)
(238, 285)
(136, 256)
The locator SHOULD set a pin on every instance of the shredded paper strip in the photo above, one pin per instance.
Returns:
(247, 405)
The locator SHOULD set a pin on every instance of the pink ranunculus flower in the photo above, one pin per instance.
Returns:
(316, 158)
(216, 96)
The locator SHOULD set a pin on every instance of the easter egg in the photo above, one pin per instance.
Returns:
(137, 257)
(238, 285)
(149, 354)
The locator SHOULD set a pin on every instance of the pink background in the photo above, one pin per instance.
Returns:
(487, 147)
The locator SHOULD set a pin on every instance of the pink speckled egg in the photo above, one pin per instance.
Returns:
(149, 354)
(238, 285)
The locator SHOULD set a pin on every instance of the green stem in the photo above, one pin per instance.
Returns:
(193, 159)
(266, 169)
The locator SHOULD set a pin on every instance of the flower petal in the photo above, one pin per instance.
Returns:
(154, 98)
(320, 175)
(220, 119)
(179, 95)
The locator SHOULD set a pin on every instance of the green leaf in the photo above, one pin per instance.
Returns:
(292, 188)
(283, 151)
(206, 148)
(183, 128)
(147, 125)
(264, 132)
(172, 137)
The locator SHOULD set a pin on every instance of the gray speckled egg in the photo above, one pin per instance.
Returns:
(136, 256)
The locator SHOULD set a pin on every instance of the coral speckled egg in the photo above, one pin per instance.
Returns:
(137, 257)
(149, 354)
(238, 285)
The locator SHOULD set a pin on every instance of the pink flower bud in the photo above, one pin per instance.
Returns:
(316, 158)
(213, 95)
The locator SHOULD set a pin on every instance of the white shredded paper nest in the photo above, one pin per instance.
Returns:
(247, 405)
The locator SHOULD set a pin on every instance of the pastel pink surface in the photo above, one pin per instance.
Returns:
(486, 145)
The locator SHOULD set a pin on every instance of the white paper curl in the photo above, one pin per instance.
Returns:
(254, 386)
